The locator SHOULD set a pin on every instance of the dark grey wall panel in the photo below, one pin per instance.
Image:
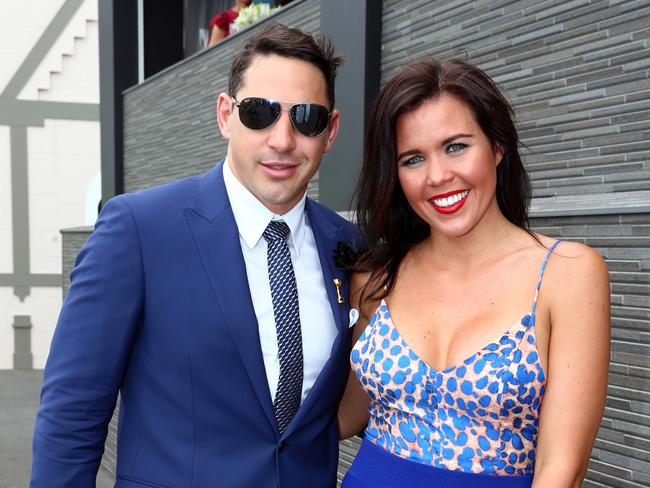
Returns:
(71, 242)
(347, 452)
(358, 35)
(170, 125)
(578, 74)
(621, 455)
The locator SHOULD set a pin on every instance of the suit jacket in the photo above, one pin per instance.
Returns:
(159, 309)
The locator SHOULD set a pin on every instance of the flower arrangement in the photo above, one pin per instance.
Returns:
(251, 14)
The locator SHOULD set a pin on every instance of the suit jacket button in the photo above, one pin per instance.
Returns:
(281, 446)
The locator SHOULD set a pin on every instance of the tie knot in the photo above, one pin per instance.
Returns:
(277, 230)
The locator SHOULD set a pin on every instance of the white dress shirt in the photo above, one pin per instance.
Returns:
(316, 319)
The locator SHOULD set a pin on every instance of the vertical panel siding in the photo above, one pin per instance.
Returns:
(621, 455)
(71, 243)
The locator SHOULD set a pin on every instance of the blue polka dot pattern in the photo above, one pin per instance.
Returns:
(479, 416)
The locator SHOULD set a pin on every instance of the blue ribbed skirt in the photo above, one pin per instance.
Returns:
(374, 467)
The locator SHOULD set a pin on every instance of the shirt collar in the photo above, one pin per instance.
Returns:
(252, 217)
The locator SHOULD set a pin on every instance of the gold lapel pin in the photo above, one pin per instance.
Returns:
(338, 284)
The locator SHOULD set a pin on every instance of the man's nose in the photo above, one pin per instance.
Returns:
(282, 135)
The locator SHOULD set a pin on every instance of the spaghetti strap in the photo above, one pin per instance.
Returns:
(539, 280)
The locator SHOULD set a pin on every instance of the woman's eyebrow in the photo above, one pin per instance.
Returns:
(455, 136)
(407, 153)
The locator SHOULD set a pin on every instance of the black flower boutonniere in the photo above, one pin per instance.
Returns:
(345, 255)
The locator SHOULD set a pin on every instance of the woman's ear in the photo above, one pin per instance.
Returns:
(498, 154)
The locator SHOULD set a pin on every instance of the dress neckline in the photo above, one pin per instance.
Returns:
(468, 360)
(527, 321)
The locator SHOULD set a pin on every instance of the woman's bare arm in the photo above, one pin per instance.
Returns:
(353, 408)
(579, 311)
(216, 35)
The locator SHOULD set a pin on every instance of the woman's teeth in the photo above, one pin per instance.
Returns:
(450, 200)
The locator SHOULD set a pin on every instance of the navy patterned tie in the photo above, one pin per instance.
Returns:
(284, 294)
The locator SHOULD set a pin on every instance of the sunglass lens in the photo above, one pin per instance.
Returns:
(258, 113)
(309, 119)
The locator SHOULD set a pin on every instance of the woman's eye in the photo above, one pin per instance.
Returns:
(455, 147)
(412, 160)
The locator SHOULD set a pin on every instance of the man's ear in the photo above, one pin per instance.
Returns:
(332, 129)
(224, 111)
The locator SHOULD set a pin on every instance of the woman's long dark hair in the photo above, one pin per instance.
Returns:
(389, 225)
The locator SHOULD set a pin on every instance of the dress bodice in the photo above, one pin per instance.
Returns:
(478, 416)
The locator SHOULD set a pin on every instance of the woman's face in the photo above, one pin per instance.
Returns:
(447, 166)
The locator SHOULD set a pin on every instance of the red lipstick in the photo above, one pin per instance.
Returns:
(450, 202)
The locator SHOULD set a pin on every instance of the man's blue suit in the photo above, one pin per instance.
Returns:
(159, 309)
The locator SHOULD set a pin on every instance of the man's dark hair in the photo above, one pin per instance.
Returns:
(291, 43)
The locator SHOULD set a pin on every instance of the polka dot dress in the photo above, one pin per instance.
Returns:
(479, 416)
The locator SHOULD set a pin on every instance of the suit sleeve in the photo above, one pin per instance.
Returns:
(89, 353)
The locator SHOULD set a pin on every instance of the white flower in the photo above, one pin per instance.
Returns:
(251, 14)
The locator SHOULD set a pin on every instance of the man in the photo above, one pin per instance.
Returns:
(227, 338)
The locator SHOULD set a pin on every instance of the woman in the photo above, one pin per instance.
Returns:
(452, 392)
(220, 23)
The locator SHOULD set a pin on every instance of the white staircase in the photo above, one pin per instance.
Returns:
(69, 71)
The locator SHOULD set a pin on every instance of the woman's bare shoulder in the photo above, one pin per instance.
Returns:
(574, 266)
(574, 255)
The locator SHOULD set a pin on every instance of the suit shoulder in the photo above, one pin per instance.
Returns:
(334, 217)
(158, 206)
(183, 190)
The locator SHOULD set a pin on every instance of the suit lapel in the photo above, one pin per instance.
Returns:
(325, 235)
(217, 239)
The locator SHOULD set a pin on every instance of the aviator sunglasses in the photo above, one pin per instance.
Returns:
(310, 119)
